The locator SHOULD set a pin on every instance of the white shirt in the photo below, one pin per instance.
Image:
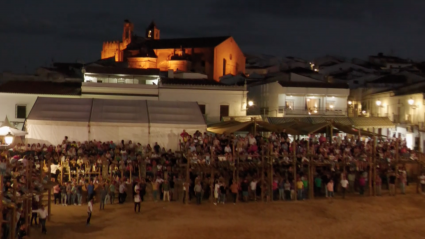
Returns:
(253, 185)
(89, 207)
(122, 188)
(252, 140)
(42, 212)
(136, 197)
(344, 183)
(53, 168)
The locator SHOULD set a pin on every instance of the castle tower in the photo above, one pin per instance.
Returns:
(127, 32)
(152, 32)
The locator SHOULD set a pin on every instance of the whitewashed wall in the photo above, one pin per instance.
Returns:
(212, 99)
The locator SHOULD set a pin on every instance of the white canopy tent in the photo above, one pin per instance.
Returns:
(51, 119)
(7, 127)
(116, 120)
(168, 119)
(145, 122)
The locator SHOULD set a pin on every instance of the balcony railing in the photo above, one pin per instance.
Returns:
(316, 111)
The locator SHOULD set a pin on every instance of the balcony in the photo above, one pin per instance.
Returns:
(316, 111)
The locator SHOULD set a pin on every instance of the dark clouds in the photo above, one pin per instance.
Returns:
(34, 32)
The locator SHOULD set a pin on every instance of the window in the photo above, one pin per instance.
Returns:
(330, 105)
(202, 108)
(150, 33)
(289, 105)
(224, 111)
(21, 111)
(224, 66)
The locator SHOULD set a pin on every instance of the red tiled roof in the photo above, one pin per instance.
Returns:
(200, 42)
(41, 87)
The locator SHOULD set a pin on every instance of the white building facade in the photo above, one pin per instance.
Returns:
(279, 99)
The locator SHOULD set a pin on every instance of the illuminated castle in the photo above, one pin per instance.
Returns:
(213, 56)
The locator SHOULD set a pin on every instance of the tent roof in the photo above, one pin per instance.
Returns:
(6, 123)
(119, 111)
(116, 111)
(175, 112)
(61, 109)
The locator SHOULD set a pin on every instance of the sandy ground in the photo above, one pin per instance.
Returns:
(401, 216)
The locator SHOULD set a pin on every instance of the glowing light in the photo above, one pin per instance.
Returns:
(308, 99)
(8, 139)
(364, 112)
(378, 103)
(315, 111)
(411, 101)
(331, 106)
(250, 103)
(349, 102)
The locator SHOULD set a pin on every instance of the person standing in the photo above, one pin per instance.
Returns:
(330, 187)
(166, 191)
(63, 194)
(112, 192)
(344, 185)
(317, 186)
(137, 198)
(300, 187)
(79, 191)
(234, 189)
(34, 212)
(90, 191)
(185, 186)
(121, 195)
(198, 192)
(56, 193)
(43, 213)
(89, 210)
(362, 184)
(253, 186)
(142, 189)
(103, 193)
(392, 180)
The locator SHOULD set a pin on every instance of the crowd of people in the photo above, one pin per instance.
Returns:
(103, 170)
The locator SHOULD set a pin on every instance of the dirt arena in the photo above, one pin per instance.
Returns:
(401, 216)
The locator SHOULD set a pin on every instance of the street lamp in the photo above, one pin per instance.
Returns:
(378, 103)
(411, 101)
(250, 103)
(8, 138)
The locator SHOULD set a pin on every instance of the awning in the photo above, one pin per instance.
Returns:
(228, 127)
(370, 122)
(243, 118)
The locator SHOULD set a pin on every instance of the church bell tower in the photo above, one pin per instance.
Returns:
(127, 32)
(152, 32)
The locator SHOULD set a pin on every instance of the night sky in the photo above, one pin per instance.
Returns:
(32, 33)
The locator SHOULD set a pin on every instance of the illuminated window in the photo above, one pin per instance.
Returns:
(289, 105)
(330, 105)
(150, 33)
